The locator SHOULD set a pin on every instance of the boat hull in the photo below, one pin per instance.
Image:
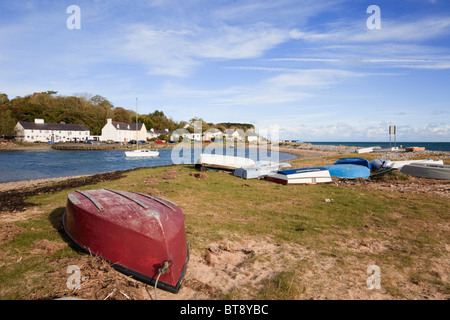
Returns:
(400, 164)
(135, 232)
(301, 176)
(348, 171)
(427, 170)
(223, 161)
(141, 153)
(355, 161)
(259, 170)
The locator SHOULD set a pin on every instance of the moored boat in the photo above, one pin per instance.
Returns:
(348, 171)
(142, 153)
(219, 161)
(141, 235)
(301, 176)
(427, 170)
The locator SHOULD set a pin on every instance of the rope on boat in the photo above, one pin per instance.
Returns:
(164, 269)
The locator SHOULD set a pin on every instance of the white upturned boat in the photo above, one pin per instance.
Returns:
(388, 149)
(427, 170)
(400, 164)
(223, 161)
(367, 150)
(301, 176)
(260, 169)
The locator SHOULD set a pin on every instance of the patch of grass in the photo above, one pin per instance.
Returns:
(222, 206)
(282, 286)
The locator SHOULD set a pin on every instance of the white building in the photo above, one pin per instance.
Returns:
(123, 132)
(39, 131)
(231, 134)
(153, 134)
(213, 134)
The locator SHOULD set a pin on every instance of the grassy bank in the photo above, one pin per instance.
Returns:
(249, 239)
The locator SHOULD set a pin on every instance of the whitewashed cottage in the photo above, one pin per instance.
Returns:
(39, 131)
(123, 132)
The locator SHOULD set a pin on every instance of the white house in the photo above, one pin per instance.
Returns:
(123, 132)
(50, 132)
(237, 134)
(251, 137)
(213, 134)
(153, 134)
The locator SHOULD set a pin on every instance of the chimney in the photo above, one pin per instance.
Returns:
(38, 120)
(109, 121)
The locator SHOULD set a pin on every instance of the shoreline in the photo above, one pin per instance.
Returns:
(300, 151)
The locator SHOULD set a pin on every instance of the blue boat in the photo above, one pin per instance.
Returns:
(348, 171)
(379, 163)
(355, 161)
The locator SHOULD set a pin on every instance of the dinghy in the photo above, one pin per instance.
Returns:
(141, 235)
(367, 149)
(379, 163)
(400, 164)
(355, 161)
(427, 170)
(348, 171)
(260, 169)
(301, 176)
(223, 162)
(386, 163)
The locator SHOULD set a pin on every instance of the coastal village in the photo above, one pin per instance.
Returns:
(314, 227)
(118, 132)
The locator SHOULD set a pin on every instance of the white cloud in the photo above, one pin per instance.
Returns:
(177, 52)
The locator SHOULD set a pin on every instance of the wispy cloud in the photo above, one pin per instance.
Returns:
(176, 52)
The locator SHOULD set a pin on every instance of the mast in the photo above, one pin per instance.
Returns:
(137, 135)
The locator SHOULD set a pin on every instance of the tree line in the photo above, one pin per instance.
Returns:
(91, 111)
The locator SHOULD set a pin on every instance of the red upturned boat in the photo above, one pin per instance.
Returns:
(143, 236)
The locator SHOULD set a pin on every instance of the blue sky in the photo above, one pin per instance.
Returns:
(310, 69)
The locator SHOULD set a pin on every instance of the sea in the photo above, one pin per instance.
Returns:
(42, 164)
(432, 146)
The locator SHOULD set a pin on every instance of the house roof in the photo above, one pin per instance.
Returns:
(127, 126)
(53, 126)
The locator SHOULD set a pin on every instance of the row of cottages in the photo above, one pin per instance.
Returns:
(39, 131)
(124, 132)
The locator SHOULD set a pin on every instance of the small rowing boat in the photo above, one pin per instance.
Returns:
(219, 161)
(301, 176)
(260, 169)
(355, 161)
(427, 170)
(141, 235)
(348, 171)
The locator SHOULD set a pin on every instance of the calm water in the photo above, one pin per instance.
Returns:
(29, 165)
(434, 146)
